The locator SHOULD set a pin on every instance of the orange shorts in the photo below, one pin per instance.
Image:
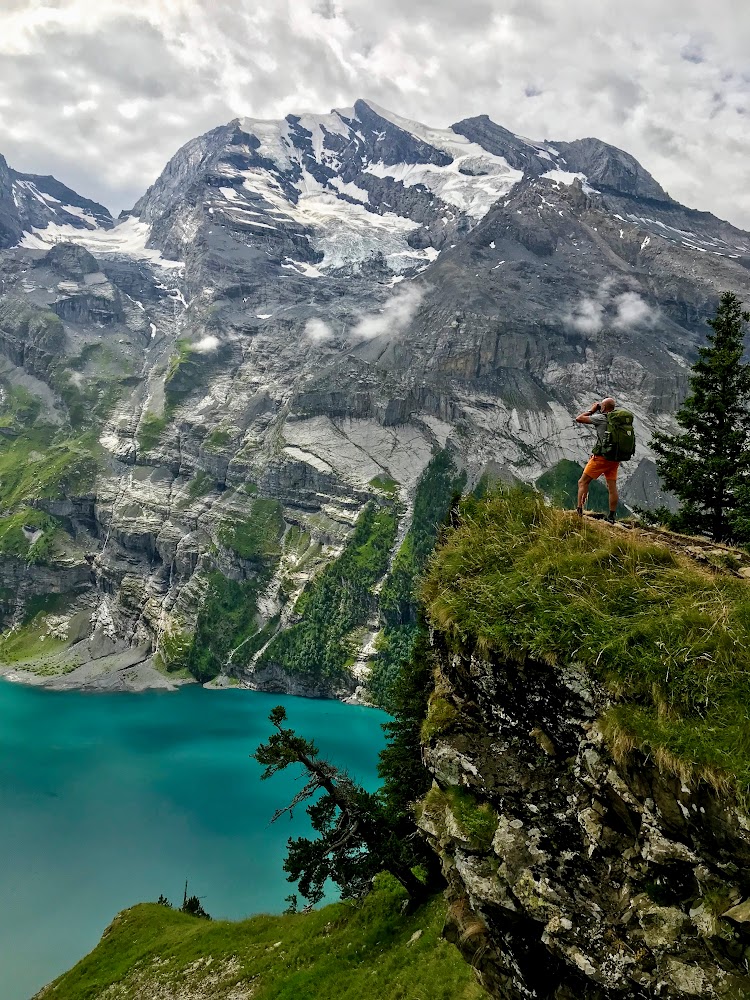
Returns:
(598, 466)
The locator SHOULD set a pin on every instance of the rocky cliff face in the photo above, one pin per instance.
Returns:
(304, 310)
(577, 868)
(572, 876)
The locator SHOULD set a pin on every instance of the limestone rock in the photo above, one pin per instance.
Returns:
(602, 880)
(740, 913)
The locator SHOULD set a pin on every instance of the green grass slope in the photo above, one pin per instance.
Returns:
(338, 601)
(341, 952)
(669, 638)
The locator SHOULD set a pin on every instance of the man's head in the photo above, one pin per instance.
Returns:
(608, 405)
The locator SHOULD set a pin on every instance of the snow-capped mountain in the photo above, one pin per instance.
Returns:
(310, 307)
(380, 182)
(29, 201)
(336, 190)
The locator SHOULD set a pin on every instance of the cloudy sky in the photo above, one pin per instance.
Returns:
(102, 92)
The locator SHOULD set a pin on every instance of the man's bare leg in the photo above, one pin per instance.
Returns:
(583, 491)
(614, 497)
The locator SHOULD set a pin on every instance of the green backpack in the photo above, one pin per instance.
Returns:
(619, 439)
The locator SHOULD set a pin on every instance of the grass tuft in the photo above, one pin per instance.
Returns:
(441, 716)
(150, 431)
(200, 485)
(477, 819)
(258, 536)
(385, 485)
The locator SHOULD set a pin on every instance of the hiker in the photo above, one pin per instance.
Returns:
(615, 443)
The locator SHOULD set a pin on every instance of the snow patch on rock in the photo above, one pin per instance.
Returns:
(129, 238)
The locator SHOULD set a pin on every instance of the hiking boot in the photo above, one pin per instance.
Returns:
(611, 517)
(579, 511)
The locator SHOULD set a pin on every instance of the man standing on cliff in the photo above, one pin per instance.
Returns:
(598, 465)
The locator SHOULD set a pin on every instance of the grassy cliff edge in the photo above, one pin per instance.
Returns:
(670, 638)
(345, 950)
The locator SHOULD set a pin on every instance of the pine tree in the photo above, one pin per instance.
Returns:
(707, 465)
(356, 840)
(405, 778)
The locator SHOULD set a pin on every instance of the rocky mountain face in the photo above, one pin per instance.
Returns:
(202, 398)
(586, 885)
(30, 201)
(581, 864)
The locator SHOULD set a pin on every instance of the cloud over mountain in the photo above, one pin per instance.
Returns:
(607, 308)
(393, 318)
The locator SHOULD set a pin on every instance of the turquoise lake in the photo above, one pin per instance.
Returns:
(107, 800)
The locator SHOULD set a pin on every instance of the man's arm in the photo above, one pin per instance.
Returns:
(585, 417)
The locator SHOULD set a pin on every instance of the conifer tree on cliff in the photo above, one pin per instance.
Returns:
(707, 464)
(356, 839)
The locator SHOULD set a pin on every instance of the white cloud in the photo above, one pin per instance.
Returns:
(318, 331)
(587, 316)
(676, 96)
(632, 310)
(621, 311)
(393, 318)
(131, 109)
(206, 344)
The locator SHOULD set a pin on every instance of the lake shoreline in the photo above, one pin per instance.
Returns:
(132, 671)
(142, 676)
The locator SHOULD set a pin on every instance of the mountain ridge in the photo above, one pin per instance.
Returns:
(28, 200)
(294, 314)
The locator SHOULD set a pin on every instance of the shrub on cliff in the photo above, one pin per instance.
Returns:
(517, 579)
